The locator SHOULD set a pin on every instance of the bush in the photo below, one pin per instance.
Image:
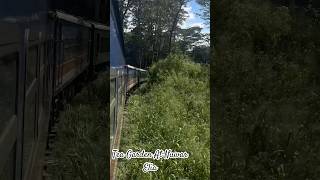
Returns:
(172, 114)
(266, 92)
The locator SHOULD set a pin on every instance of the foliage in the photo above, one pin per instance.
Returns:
(81, 144)
(192, 42)
(153, 30)
(265, 79)
(187, 37)
(201, 54)
(153, 26)
(205, 9)
(171, 111)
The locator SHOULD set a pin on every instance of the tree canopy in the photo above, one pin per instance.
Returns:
(153, 30)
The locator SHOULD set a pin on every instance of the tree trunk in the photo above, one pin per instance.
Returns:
(174, 24)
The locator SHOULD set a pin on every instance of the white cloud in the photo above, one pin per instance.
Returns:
(199, 24)
(196, 24)
(191, 19)
(188, 9)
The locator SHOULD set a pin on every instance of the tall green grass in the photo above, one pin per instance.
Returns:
(81, 146)
(266, 98)
(171, 111)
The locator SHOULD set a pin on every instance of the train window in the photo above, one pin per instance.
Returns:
(31, 65)
(84, 42)
(8, 172)
(76, 40)
(8, 72)
(71, 39)
(112, 89)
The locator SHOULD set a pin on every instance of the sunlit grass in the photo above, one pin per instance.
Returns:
(170, 112)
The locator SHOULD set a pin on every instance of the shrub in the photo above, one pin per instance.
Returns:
(172, 114)
(266, 92)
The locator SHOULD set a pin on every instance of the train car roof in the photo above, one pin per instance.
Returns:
(79, 20)
(70, 18)
(100, 26)
(132, 67)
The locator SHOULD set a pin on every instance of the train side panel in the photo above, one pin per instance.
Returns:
(26, 45)
(72, 52)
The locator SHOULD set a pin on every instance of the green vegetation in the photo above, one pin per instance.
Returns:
(266, 92)
(80, 150)
(153, 30)
(170, 112)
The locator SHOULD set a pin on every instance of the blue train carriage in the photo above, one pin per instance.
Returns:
(117, 72)
(135, 76)
(122, 77)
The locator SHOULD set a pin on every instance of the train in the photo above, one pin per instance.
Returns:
(123, 77)
(44, 59)
(123, 80)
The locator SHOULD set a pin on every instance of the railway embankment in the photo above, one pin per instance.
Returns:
(81, 144)
(170, 111)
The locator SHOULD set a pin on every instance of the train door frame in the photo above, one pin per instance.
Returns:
(9, 136)
(21, 101)
(32, 91)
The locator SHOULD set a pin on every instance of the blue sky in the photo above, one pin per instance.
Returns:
(193, 19)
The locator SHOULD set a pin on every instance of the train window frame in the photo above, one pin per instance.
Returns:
(113, 90)
(42, 76)
(78, 43)
(30, 96)
(29, 85)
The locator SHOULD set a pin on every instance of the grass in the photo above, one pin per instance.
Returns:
(266, 92)
(171, 111)
(81, 146)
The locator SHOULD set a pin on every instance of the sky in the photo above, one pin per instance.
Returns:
(193, 8)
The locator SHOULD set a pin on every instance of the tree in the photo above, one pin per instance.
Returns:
(205, 10)
(154, 27)
(125, 7)
(178, 14)
(188, 38)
